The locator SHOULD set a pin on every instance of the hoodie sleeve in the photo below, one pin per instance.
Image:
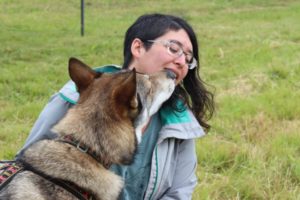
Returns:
(55, 109)
(185, 178)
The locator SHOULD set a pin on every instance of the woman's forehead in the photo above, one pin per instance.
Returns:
(181, 37)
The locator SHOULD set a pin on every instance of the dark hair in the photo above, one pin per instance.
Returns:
(192, 91)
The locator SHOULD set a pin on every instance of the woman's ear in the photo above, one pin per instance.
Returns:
(137, 48)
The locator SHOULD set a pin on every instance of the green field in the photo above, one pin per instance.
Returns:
(250, 55)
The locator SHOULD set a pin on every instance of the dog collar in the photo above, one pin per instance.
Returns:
(84, 148)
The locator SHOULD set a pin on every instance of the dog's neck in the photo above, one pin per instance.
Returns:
(84, 148)
(77, 124)
(96, 130)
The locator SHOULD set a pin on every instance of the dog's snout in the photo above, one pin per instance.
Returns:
(170, 74)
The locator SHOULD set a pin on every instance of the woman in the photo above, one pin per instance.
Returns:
(165, 164)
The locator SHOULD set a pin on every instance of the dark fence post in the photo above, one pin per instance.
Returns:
(82, 17)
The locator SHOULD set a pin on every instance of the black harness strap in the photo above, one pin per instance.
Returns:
(70, 187)
(11, 168)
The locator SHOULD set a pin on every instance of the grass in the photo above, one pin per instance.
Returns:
(250, 53)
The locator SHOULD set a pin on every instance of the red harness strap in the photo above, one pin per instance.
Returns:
(8, 169)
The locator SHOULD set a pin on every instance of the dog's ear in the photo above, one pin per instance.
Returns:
(126, 96)
(81, 74)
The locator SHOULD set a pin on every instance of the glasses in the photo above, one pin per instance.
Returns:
(174, 48)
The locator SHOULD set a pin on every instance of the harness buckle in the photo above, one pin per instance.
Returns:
(83, 148)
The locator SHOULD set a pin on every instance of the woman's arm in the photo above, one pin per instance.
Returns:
(51, 114)
(185, 178)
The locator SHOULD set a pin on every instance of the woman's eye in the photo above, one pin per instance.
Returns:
(174, 49)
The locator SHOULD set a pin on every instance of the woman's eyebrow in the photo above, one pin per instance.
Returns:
(177, 42)
(181, 45)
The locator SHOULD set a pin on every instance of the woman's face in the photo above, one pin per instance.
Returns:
(157, 58)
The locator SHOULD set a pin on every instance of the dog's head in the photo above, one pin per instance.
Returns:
(152, 90)
(113, 108)
(109, 92)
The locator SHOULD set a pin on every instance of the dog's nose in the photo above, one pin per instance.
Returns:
(171, 74)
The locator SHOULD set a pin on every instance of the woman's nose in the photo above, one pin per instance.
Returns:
(180, 60)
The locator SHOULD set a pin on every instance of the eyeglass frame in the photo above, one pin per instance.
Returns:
(166, 43)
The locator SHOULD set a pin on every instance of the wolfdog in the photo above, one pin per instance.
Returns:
(103, 128)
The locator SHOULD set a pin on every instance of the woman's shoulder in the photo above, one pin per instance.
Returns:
(179, 124)
(110, 68)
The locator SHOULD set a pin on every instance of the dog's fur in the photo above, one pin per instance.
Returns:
(108, 118)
